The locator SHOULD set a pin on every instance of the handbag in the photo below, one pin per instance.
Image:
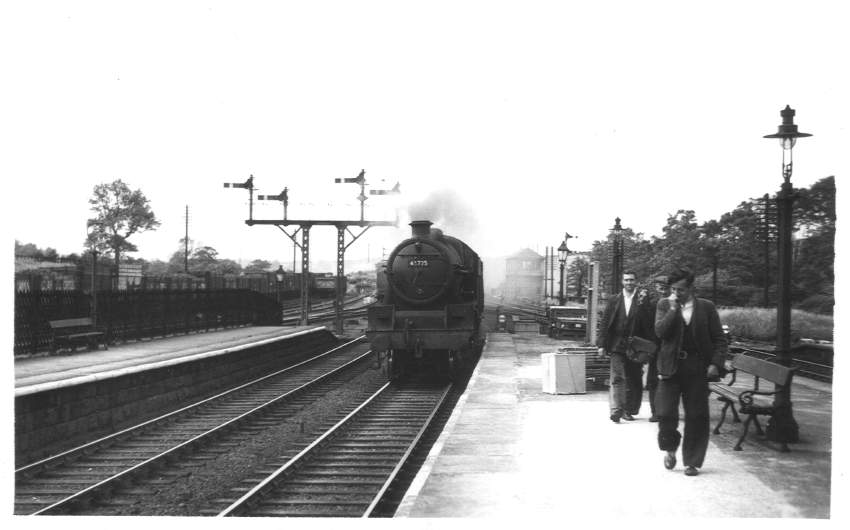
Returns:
(639, 349)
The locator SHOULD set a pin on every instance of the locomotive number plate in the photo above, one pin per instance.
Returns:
(418, 263)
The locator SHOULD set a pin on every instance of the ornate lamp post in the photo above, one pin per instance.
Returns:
(563, 251)
(278, 276)
(617, 265)
(782, 426)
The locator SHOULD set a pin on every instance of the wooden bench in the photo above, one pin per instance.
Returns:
(752, 402)
(71, 332)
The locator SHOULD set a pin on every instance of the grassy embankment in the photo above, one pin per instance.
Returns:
(758, 323)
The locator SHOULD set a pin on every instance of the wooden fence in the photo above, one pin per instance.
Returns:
(131, 314)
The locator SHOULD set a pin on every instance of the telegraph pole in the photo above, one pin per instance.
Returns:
(186, 244)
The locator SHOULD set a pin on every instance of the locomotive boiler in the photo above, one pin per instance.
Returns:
(427, 318)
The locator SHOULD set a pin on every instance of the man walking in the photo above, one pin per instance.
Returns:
(662, 290)
(693, 351)
(623, 317)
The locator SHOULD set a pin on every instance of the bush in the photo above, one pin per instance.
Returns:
(818, 303)
(758, 323)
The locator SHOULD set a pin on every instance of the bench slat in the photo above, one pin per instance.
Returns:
(88, 334)
(724, 391)
(775, 373)
(70, 322)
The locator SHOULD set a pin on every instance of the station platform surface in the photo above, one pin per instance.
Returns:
(68, 368)
(511, 451)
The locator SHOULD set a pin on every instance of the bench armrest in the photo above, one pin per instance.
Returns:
(747, 397)
(731, 381)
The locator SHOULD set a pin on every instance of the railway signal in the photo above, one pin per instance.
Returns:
(395, 190)
(361, 180)
(283, 197)
(249, 185)
(304, 226)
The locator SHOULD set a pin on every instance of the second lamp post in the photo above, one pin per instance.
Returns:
(563, 252)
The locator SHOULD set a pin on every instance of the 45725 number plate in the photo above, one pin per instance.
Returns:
(418, 263)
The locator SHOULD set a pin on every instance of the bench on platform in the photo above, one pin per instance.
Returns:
(71, 332)
(752, 402)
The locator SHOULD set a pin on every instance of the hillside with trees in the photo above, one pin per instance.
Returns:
(739, 249)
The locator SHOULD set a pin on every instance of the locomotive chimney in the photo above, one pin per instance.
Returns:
(420, 228)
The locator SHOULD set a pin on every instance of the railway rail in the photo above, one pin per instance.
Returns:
(349, 469)
(325, 313)
(809, 369)
(69, 481)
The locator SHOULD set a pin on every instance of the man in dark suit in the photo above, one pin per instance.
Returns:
(662, 290)
(692, 352)
(623, 316)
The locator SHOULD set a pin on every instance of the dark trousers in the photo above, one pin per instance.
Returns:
(690, 384)
(626, 390)
(652, 383)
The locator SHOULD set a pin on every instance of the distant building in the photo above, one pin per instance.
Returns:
(129, 275)
(524, 276)
(33, 274)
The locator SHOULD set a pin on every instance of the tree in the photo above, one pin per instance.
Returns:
(258, 265)
(202, 260)
(119, 213)
(680, 243)
(742, 247)
(32, 251)
(577, 276)
(814, 216)
(155, 268)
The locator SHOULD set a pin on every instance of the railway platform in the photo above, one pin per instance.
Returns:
(510, 451)
(68, 369)
(65, 400)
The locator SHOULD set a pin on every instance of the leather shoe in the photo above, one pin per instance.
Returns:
(691, 471)
(628, 417)
(670, 460)
(615, 417)
(653, 418)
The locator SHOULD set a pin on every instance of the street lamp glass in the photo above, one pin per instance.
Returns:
(562, 252)
(279, 274)
(787, 143)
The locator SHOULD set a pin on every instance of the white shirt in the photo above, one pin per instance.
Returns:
(627, 298)
(688, 311)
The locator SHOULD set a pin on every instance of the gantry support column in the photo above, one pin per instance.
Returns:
(305, 275)
(340, 275)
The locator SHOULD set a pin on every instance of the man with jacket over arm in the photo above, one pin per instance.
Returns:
(692, 352)
(623, 316)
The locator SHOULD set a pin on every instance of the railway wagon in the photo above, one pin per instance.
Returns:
(430, 303)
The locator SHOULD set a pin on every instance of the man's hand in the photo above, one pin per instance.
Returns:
(712, 372)
(603, 351)
(674, 301)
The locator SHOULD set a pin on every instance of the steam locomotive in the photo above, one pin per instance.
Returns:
(430, 303)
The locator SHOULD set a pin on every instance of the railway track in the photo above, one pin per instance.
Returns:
(68, 482)
(809, 369)
(326, 312)
(349, 469)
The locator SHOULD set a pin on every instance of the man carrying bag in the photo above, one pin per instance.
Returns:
(624, 317)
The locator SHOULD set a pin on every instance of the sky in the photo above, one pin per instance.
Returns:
(515, 122)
